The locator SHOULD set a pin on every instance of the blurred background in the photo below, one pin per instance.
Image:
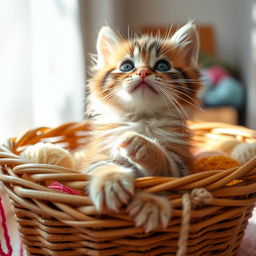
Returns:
(44, 49)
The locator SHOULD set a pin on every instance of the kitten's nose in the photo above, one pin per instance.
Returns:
(143, 72)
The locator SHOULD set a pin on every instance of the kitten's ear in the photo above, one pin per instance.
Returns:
(187, 38)
(106, 43)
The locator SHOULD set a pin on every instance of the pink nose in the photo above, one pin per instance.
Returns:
(143, 72)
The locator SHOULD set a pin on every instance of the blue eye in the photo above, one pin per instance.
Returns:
(126, 66)
(162, 66)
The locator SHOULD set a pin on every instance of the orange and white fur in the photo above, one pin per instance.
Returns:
(141, 93)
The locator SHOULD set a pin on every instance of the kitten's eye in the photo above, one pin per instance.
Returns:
(162, 66)
(126, 66)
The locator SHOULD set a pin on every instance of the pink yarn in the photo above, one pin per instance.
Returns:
(55, 185)
(60, 187)
(5, 232)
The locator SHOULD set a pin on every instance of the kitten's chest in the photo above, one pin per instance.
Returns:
(160, 131)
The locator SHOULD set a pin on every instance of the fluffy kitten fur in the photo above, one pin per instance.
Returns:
(141, 92)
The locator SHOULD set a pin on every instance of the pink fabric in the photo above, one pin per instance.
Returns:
(248, 245)
(60, 187)
(5, 232)
(216, 74)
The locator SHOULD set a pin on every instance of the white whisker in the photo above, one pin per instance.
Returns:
(186, 88)
(195, 105)
(169, 98)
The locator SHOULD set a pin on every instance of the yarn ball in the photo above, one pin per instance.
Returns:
(62, 188)
(243, 152)
(209, 153)
(217, 162)
(225, 146)
(48, 153)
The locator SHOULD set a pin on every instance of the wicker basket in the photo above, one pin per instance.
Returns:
(54, 223)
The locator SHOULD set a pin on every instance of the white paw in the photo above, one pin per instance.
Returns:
(150, 211)
(132, 145)
(111, 189)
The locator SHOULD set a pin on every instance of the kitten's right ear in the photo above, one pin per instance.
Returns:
(187, 38)
(106, 43)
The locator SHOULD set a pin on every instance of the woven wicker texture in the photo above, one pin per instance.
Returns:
(54, 223)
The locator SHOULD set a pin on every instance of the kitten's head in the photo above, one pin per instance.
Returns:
(145, 75)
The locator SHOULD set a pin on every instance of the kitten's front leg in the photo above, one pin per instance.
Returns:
(149, 155)
(111, 186)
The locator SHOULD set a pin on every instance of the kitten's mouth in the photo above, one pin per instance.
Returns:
(144, 86)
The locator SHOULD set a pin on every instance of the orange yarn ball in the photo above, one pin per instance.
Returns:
(220, 162)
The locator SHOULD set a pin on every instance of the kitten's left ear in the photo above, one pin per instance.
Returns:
(187, 38)
(106, 43)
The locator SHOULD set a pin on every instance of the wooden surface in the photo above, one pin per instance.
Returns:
(222, 114)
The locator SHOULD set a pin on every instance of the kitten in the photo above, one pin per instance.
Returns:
(141, 92)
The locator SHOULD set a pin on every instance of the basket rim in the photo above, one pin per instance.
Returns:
(10, 157)
(34, 199)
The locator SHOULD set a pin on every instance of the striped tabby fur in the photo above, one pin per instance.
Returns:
(141, 93)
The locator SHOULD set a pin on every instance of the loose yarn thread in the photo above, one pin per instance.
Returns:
(198, 196)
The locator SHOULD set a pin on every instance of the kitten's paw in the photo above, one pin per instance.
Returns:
(48, 153)
(150, 211)
(134, 146)
(111, 188)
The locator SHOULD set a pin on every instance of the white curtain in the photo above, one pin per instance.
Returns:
(41, 65)
(41, 71)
